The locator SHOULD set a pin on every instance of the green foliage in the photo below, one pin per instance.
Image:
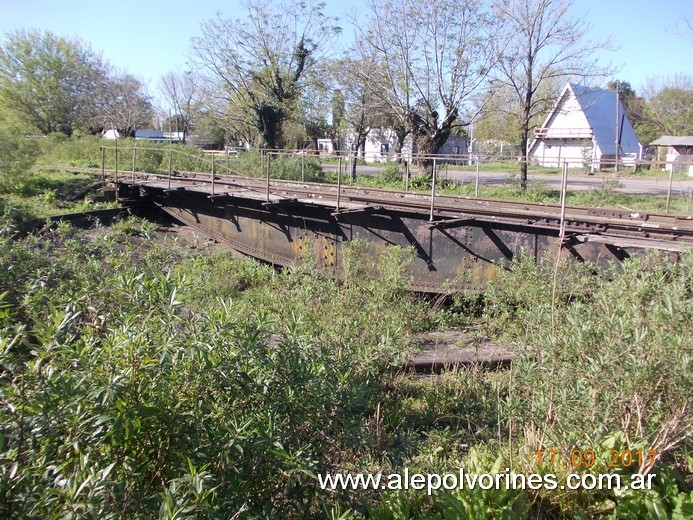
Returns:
(49, 82)
(17, 156)
(140, 380)
(604, 359)
(288, 167)
(294, 168)
(126, 392)
(391, 174)
(149, 157)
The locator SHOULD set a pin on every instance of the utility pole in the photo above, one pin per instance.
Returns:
(618, 122)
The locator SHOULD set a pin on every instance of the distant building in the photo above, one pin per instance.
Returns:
(325, 146)
(380, 146)
(583, 129)
(151, 135)
(679, 158)
(110, 133)
(455, 145)
(381, 142)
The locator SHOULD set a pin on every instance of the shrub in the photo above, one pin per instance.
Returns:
(391, 174)
(17, 156)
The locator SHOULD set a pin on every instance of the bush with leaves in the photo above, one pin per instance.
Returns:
(17, 156)
(123, 394)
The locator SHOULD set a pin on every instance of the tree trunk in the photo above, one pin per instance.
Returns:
(401, 133)
(428, 144)
(526, 116)
(524, 139)
(429, 137)
(360, 140)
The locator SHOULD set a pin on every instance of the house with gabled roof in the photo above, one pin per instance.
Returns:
(587, 127)
(679, 153)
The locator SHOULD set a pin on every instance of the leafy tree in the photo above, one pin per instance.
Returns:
(433, 59)
(262, 61)
(338, 116)
(310, 116)
(361, 107)
(501, 113)
(543, 43)
(633, 104)
(48, 81)
(668, 109)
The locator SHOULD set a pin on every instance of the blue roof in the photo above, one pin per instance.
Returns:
(149, 134)
(599, 106)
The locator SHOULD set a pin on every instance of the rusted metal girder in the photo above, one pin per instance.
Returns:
(451, 253)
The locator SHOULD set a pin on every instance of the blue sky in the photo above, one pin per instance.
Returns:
(150, 37)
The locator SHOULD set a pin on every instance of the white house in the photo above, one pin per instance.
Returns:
(380, 146)
(679, 157)
(583, 129)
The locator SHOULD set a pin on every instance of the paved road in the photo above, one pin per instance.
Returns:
(576, 181)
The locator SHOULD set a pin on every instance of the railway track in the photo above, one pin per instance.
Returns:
(621, 226)
(457, 241)
(653, 229)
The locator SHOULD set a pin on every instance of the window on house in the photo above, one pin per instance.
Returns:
(384, 148)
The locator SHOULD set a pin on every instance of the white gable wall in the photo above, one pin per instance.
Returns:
(581, 130)
(380, 146)
(568, 138)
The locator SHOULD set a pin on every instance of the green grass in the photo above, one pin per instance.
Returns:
(44, 193)
(156, 380)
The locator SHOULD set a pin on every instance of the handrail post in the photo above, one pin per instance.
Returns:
(269, 162)
(339, 183)
(476, 187)
(116, 161)
(213, 173)
(407, 174)
(116, 171)
(433, 190)
(564, 196)
(170, 167)
(103, 163)
(303, 167)
(134, 159)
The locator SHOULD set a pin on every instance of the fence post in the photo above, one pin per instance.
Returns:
(116, 172)
(116, 161)
(433, 190)
(103, 163)
(407, 174)
(476, 188)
